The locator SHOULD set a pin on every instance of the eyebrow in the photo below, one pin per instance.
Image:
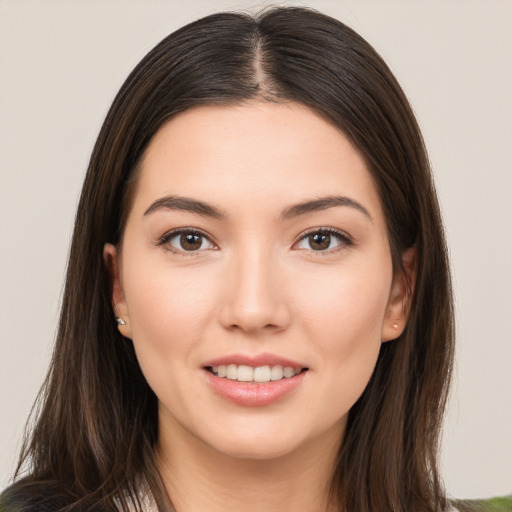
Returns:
(323, 203)
(201, 208)
(185, 204)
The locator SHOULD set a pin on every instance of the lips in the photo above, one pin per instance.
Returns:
(264, 359)
(245, 373)
(254, 380)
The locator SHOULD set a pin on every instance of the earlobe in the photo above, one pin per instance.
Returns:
(119, 307)
(400, 298)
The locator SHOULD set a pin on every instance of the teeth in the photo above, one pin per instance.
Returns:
(262, 374)
(288, 372)
(276, 373)
(244, 373)
(231, 372)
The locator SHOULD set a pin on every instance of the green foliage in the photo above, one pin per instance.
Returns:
(502, 504)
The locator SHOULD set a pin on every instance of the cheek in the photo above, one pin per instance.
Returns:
(159, 294)
(346, 305)
(168, 309)
(343, 317)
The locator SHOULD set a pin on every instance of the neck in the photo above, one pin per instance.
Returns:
(197, 477)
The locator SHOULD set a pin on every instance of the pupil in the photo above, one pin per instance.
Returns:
(320, 241)
(190, 242)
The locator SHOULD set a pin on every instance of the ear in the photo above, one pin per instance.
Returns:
(112, 262)
(402, 287)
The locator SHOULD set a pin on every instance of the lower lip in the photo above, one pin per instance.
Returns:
(253, 394)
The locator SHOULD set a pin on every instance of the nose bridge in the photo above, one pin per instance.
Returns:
(254, 299)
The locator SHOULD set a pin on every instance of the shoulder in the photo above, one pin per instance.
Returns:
(46, 496)
(30, 498)
(41, 496)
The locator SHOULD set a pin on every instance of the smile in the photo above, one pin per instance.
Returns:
(258, 374)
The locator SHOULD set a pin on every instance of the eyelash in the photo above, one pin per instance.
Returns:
(343, 239)
(165, 239)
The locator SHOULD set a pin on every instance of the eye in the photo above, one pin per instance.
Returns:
(323, 240)
(186, 240)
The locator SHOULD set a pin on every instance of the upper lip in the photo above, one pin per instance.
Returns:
(264, 359)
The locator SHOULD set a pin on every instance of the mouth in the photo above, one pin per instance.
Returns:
(258, 374)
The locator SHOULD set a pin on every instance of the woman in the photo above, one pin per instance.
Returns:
(258, 309)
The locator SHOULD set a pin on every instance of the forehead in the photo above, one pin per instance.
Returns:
(252, 154)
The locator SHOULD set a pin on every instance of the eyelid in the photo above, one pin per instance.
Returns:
(169, 235)
(345, 240)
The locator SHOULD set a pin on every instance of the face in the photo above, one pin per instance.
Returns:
(255, 277)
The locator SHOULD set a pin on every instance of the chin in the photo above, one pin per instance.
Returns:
(262, 448)
(269, 441)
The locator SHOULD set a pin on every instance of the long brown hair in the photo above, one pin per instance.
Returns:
(93, 441)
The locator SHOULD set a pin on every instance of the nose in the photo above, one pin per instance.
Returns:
(254, 294)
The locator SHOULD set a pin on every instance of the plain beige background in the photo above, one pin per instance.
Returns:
(62, 61)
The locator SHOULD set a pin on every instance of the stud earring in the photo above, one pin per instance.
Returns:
(120, 321)
(395, 326)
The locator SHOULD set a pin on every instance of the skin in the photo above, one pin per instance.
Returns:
(255, 285)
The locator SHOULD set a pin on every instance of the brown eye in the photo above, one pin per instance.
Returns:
(324, 240)
(188, 241)
(319, 241)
